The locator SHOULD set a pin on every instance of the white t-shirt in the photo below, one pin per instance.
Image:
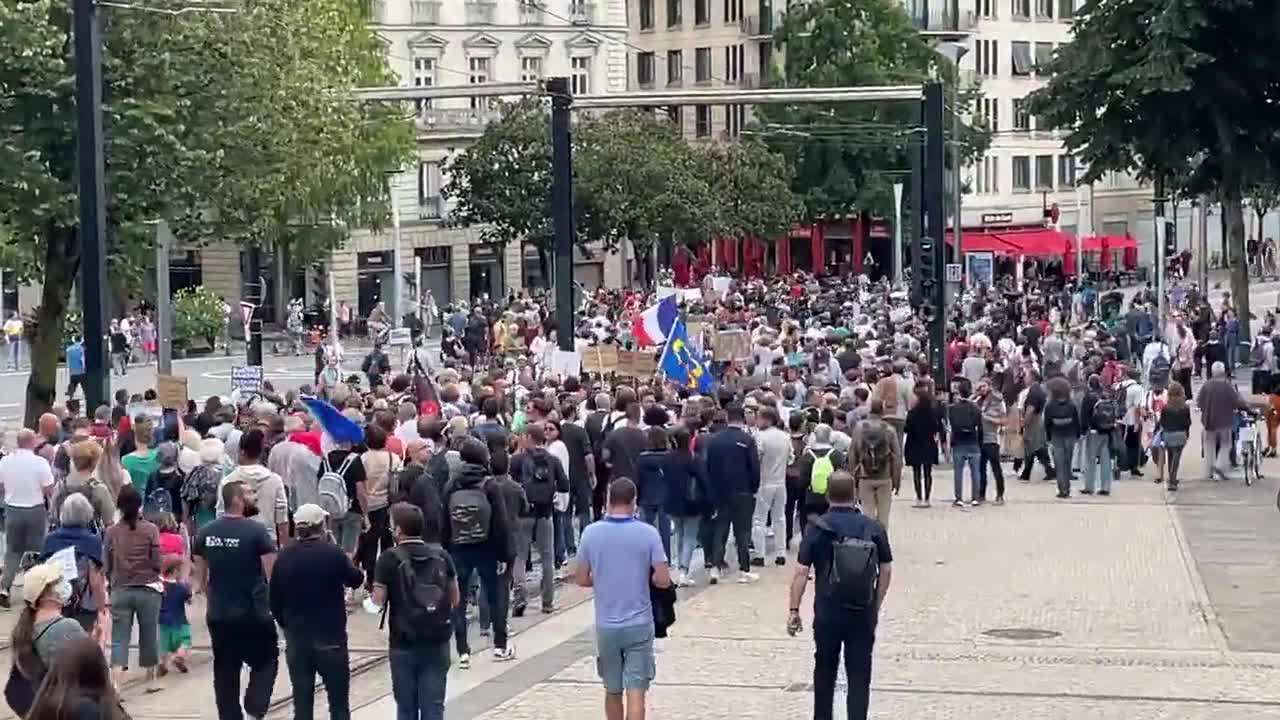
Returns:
(1135, 397)
(24, 476)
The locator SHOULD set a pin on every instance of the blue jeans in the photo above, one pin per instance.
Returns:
(686, 539)
(418, 678)
(970, 456)
(15, 353)
(659, 518)
(1097, 462)
(481, 561)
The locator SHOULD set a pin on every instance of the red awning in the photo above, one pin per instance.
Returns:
(1120, 242)
(1093, 243)
(982, 242)
(1046, 242)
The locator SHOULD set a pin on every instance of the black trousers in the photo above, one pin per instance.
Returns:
(736, 510)
(1132, 448)
(377, 539)
(922, 478)
(307, 657)
(990, 457)
(237, 643)
(855, 634)
(795, 511)
(1043, 456)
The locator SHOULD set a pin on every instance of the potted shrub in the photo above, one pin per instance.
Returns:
(198, 314)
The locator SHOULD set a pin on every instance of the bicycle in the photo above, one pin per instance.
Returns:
(1249, 446)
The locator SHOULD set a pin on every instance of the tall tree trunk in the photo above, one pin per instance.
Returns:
(1233, 217)
(61, 264)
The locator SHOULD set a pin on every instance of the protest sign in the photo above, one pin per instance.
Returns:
(600, 359)
(247, 378)
(171, 391)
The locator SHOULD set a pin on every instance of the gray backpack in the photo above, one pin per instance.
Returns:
(470, 514)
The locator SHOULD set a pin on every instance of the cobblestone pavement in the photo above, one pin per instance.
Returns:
(1115, 583)
(1151, 607)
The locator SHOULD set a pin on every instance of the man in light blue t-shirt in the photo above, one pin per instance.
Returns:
(616, 557)
(75, 366)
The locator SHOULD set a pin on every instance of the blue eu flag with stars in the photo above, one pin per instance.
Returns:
(682, 363)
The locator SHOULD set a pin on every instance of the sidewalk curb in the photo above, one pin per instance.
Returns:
(1203, 602)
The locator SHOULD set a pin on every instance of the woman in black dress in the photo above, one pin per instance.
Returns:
(923, 429)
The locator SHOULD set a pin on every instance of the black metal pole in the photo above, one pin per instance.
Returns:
(934, 170)
(562, 208)
(93, 201)
(915, 225)
(256, 291)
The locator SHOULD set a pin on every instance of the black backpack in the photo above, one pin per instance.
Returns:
(470, 513)
(854, 569)
(1060, 413)
(1104, 416)
(423, 615)
(539, 479)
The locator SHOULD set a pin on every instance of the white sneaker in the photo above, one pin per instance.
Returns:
(715, 575)
(747, 577)
(504, 654)
(686, 581)
(464, 661)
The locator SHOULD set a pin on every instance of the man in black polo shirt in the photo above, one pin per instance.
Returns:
(836, 622)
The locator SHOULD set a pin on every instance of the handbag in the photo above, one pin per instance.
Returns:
(1157, 440)
(1173, 438)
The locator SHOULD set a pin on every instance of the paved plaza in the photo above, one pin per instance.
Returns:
(1135, 606)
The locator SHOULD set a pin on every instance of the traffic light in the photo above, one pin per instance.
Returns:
(1170, 239)
(929, 274)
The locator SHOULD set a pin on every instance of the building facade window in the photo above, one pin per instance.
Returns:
(1044, 56)
(645, 66)
(1021, 118)
(478, 68)
(991, 113)
(1020, 56)
(430, 202)
(1021, 173)
(1066, 171)
(580, 75)
(986, 58)
(1066, 10)
(1020, 9)
(989, 9)
(424, 75)
(1044, 172)
(675, 113)
(675, 67)
(530, 69)
(701, 12)
(646, 14)
(732, 11)
(675, 13)
(702, 65)
(735, 117)
(702, 121)
(734, 59)
(1044, 9)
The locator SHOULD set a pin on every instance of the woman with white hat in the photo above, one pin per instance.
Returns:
(41, 631)
(200, 488)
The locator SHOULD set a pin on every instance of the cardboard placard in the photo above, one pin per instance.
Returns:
(641, 365)
(171, 391)
(399, 337)
(732, 345)
(600, 359)
(695, 330)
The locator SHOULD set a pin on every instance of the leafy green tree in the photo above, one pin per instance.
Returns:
(197, 315)
(231, 126)
(1180, 92)
(847, 156)
(753, 186)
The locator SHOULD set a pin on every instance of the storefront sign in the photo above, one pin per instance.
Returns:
(1000, 218)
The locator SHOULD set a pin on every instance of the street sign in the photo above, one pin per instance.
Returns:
(247, 379)
(953, 272)
(997, 218)
(246, 312)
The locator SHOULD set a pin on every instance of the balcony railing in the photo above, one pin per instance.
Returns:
(457, 119)
(582, 13)
(481, 12)
(941, 16)
(431, 208)
(425, 12)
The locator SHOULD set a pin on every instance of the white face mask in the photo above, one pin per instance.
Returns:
(62, 591)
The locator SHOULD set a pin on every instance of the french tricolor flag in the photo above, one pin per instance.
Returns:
(652, 326)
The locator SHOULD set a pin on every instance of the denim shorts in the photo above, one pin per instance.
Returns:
(624, 658)
(346, 531)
